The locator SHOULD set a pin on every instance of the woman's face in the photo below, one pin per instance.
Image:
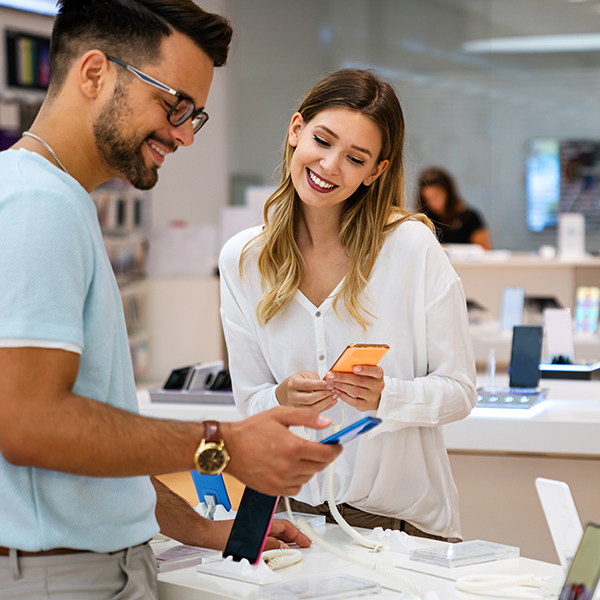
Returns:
(335, 152)
(435, 198)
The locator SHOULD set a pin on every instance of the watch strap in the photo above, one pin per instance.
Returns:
(212, 431)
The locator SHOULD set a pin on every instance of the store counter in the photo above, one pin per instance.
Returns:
(496, 454)
(187, 584)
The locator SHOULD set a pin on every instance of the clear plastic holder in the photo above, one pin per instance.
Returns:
(260, 573)
(464, 553)
(312, 520)
(335, 587)
(182, 556)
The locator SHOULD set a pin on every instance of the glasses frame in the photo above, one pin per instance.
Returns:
(198, 115)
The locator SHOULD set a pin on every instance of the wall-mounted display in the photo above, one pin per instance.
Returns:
(562, 176)
(27, 57)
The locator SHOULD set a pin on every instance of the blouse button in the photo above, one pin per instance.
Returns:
(318, 313)
(321, 357)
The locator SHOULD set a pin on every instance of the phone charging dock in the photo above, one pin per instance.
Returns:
(260, 573)
(587, 371)
(509, 397)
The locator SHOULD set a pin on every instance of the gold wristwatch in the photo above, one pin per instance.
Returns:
(211, 456)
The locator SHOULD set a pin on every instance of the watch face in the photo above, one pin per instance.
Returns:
(212, 460)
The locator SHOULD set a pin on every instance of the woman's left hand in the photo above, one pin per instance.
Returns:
(362, 388)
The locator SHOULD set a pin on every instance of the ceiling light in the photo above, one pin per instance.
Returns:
(576, 42)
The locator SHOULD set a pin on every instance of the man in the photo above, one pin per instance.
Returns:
(129, 82)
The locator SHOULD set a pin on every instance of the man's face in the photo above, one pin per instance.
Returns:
(131, 130)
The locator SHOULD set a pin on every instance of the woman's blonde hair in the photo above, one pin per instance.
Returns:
(368, 215)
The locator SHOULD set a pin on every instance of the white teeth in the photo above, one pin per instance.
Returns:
(319, 182)
(155, 147)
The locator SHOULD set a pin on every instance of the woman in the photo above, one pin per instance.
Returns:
(439, 199)
(340, 261)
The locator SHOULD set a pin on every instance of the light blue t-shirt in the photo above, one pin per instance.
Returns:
(56, 284)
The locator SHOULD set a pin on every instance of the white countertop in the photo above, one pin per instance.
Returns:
(567, 423)
(186, 584)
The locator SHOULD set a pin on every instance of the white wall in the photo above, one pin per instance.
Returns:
(193, 184)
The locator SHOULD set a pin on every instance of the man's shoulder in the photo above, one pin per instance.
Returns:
(33, 182)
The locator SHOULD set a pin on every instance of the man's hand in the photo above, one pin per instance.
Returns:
(362, 388)
(305, 388)
(282, 533)
(269, 458)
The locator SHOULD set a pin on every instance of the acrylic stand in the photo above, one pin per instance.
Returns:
(258, 574)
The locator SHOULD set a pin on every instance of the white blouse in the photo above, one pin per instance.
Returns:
(401, 468)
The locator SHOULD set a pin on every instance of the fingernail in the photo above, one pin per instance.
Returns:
(322, 420)
(329, 387)
(357, 369)
(330, 376)
(283, 546)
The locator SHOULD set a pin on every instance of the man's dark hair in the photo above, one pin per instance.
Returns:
(131, 30)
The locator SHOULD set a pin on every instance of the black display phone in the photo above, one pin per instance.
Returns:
(525, 356)
(251, 526)
(178, 379)
(584, 571)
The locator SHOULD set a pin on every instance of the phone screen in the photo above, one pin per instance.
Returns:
(354, 430)
(251, 526)
(525, 356)
(177, 379)
(584, 573)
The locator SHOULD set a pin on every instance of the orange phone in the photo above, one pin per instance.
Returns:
(359, 354)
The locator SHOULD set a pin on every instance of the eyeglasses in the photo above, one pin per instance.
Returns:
(183, 109)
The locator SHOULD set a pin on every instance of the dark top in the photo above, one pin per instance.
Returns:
(461, 230)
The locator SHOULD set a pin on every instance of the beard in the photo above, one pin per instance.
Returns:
(124, 154)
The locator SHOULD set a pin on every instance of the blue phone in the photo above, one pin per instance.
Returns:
(349, 433)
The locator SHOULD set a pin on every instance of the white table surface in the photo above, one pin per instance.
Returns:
(188, 584)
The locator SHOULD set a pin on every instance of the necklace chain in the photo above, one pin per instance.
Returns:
(49, 148)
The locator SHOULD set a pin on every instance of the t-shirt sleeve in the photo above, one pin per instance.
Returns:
(473, 221)
(45, 268)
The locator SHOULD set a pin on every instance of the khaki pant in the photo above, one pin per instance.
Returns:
(126, 575)
(360, 518)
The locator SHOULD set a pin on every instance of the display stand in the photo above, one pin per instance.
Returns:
(259, 574)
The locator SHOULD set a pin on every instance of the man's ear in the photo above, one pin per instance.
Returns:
(93, 73)
(296, 125)
(377, 171)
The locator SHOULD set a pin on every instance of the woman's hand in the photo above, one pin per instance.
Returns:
(305, 389)
(362, 388)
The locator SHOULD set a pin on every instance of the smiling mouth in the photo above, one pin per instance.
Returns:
(324, 185)
(156, 148)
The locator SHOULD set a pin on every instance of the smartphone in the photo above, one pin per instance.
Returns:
(251, 526)
(359, 354)
(349, 433)
(562, 517)
(525, 356)
(179, 378)
(584, 572)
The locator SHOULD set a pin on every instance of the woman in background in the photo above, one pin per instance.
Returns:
(439, 199)
(340, 261)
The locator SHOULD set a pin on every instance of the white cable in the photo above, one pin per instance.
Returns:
(489, 585)
(333, 509)
(353, 557)
(335, 513)
(277, 559)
